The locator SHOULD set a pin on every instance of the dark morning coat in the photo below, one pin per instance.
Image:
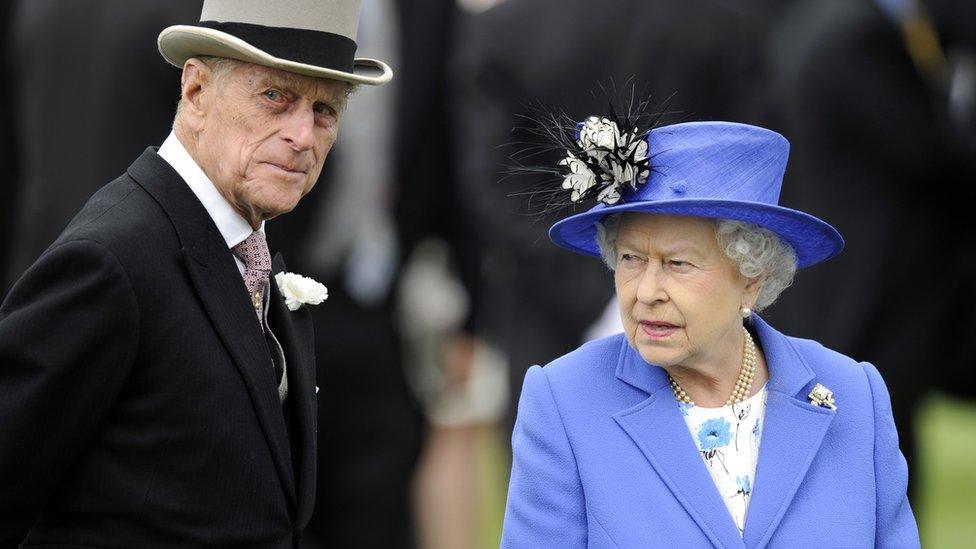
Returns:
(139, 402)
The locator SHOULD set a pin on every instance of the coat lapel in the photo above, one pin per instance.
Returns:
(659, 430)
(793, 431)
(220, 288)
(294, 331)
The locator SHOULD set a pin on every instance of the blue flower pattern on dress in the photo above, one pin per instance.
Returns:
(728, 440)
(713, 434)
(745, 487)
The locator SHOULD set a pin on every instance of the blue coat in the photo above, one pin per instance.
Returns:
(604, 459)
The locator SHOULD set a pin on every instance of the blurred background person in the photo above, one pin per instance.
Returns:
(463, 385)
(71, 139)
(879, 100)
(8, 153)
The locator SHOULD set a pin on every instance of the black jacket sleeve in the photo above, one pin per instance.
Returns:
(68, 338)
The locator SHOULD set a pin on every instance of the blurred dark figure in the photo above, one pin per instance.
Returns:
(8, 154)
(73, 138)
(556, 53)
(955, 22)
(882, 150)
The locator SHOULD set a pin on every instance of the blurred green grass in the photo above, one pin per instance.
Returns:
(945, 506)
(493, 468)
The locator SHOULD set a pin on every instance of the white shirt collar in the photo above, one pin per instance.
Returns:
(231, 225)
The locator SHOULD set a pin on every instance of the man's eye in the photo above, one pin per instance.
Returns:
(322, 108)
(273, 95)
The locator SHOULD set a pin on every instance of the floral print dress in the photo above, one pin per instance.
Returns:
(728, 440)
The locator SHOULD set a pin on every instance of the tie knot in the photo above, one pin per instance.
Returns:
(253, 251)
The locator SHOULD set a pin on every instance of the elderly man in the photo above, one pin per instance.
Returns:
(157, 391)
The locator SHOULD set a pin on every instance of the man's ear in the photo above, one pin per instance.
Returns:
(196, 86)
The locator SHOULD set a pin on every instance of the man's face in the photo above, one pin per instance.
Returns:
(263, 135)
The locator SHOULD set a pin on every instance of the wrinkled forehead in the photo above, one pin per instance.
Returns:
(667, 231)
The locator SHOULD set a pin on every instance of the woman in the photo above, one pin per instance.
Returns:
(700, 425)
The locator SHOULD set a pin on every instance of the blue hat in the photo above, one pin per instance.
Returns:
(720, 170)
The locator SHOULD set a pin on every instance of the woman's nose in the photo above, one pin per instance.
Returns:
(650, 288)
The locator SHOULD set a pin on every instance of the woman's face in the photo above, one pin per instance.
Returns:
(679, 293)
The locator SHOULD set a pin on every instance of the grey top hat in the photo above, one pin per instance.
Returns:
(310, 37)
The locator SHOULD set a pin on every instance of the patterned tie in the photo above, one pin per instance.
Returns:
(257, 269)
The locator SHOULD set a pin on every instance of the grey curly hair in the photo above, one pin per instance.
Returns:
(755, 251)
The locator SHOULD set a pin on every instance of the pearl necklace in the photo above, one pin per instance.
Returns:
(743, 385)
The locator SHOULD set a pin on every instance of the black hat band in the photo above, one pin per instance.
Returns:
(316, 48)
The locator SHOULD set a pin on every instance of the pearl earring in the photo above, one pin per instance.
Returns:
(745, 312)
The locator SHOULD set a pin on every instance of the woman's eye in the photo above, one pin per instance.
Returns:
(680, 265)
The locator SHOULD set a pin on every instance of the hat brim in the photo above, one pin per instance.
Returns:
(812, 239)
(181, 42)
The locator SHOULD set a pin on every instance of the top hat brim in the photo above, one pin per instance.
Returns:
(181, 42)
(813, 240)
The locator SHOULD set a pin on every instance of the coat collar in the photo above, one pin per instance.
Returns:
(217, 281)
(792, 434)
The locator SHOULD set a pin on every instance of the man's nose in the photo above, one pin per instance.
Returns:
(650, 288)
(299, 129)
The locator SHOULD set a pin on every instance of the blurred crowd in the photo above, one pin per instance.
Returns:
(443, 287)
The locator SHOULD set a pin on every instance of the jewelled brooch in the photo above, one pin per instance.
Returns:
(823, 397)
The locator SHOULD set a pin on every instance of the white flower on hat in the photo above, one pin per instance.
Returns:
(580, 178)
(598, 136)
(609, 195)
(636, 150)
(300, 290)
(622, 172)
(602, 160)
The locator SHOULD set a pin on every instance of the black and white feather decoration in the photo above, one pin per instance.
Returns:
(602, 156)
